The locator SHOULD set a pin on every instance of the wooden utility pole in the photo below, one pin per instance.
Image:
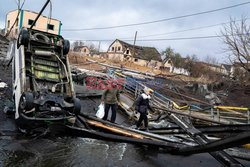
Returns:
(133, 55)
(135, 38)
(99, 46)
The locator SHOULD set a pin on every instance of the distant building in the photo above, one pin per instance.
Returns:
(26, 18)
(84, 50)
(167, 65)
(227, 69)
(144, 56)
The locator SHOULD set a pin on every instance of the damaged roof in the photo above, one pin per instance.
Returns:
(227, 66)
(142, 52)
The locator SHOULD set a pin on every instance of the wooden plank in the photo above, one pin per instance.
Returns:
(115, 129)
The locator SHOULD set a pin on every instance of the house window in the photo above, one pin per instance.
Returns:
(119, 48)
(84, 50)
(113, 48)
(50, 27)
(136, 60)
(8, 24)
(127, 52)
(30, 22)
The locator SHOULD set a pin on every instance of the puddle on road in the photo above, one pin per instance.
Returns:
(60, 152)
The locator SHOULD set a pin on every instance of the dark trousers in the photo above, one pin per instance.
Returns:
(143, 116)
(106, 110)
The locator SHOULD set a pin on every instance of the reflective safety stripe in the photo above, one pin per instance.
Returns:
(231, 108)
(180, 107)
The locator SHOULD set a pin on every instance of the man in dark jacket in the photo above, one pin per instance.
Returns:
(110, 97)
(142, 106)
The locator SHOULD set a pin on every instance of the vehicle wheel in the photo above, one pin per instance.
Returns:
(23, 38)
(41, 37)
(26, 101)
(77, 106)
(66, 47)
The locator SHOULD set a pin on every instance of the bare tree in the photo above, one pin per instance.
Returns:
(211, 60)
(77, 44)
(92, 47)
(236, 36)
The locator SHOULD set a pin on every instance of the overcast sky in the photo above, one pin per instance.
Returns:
(103, 13)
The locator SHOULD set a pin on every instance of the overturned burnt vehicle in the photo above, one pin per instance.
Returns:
(42, 83)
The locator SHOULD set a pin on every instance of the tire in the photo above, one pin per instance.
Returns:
(23, 38)
(77, 106)
(26, 101)
(66, 47)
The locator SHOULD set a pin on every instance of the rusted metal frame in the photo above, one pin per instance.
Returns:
(221, 156)
(205, 129)
(164, 104)
(145, 134)
(218, 114)
(240, 139)
(81, 132)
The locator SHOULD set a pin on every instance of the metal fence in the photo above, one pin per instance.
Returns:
(219, 114)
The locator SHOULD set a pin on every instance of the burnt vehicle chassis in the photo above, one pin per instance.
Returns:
(42, 84)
